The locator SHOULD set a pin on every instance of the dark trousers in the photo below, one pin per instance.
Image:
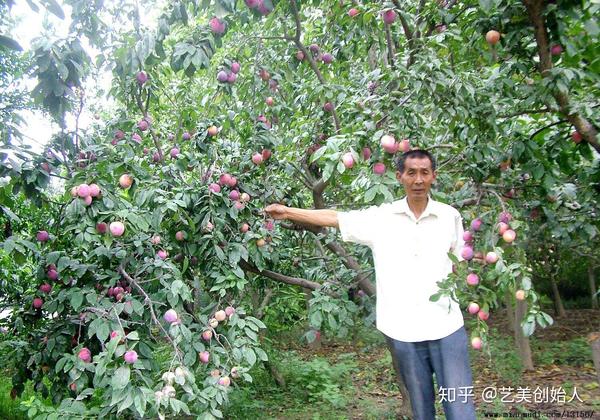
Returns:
(448, 358)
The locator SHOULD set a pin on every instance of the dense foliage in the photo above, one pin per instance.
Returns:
(156, 263)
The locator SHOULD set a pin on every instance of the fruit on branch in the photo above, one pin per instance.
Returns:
(348, 160)
(216, 25)
(42, 236)
(130, 356)
(492, 37)
(222, 76)
(257, 158)
(473, 308)
(476, 224)
(389, 16)
(467, 236)
(467, 253)
(85, 355)
(556, 49)
(509, 236)
(220, 315)
(388, 143)
(224, 381)
(94, 190)
(204, 357)
(491, 257)
(379, 168)
(117, 228)
(125, 181)
(37, 303)
(162, 254)
(141, 77)
(83, 190)
(472, 279)
(212, 131)
(171, 316)
(366, 153)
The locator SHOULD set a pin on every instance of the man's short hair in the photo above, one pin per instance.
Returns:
(415, 153)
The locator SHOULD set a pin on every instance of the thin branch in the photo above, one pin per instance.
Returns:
(310, 59)
(526, 112)
(546, 127)
(266, 299)
(390, 44)
(148, 301)
(296, 281)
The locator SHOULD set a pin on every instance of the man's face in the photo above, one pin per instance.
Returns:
(416, 178)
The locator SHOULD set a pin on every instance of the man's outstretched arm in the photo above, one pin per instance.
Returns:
(323, 217)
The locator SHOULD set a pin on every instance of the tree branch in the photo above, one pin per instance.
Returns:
(310, 59)
(535, 10)
(526, 112)
(148, 301)
(296, 281)
(361, 278)
(390, 44)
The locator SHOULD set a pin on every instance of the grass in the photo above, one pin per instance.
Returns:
(352, 378)
(9, 408)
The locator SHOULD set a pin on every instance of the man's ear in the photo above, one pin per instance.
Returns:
(398, 175)
(434, 175)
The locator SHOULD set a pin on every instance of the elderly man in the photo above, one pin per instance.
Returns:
(410, 239)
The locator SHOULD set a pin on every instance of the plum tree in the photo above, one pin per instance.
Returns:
(289, 130)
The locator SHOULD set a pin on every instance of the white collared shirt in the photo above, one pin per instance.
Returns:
(410, 257)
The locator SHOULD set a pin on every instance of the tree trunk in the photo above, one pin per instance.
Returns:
(594, 339)
(593, 290)
(559, 309)
(275, 374)
(520, 339)
(259, 307)
(508, 298)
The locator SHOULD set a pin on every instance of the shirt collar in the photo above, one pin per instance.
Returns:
(401, 206)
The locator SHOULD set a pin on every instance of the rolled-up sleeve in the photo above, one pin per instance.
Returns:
(359, 226)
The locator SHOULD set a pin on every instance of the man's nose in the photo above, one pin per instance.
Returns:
(419, 179)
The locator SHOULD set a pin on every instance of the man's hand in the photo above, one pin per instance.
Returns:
(276, 211)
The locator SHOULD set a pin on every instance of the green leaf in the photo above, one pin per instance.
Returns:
(121, 377)
(76, 299)
(102, 330)
(10, 43)
(250, 356)
(54, 8)
(528, 327)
